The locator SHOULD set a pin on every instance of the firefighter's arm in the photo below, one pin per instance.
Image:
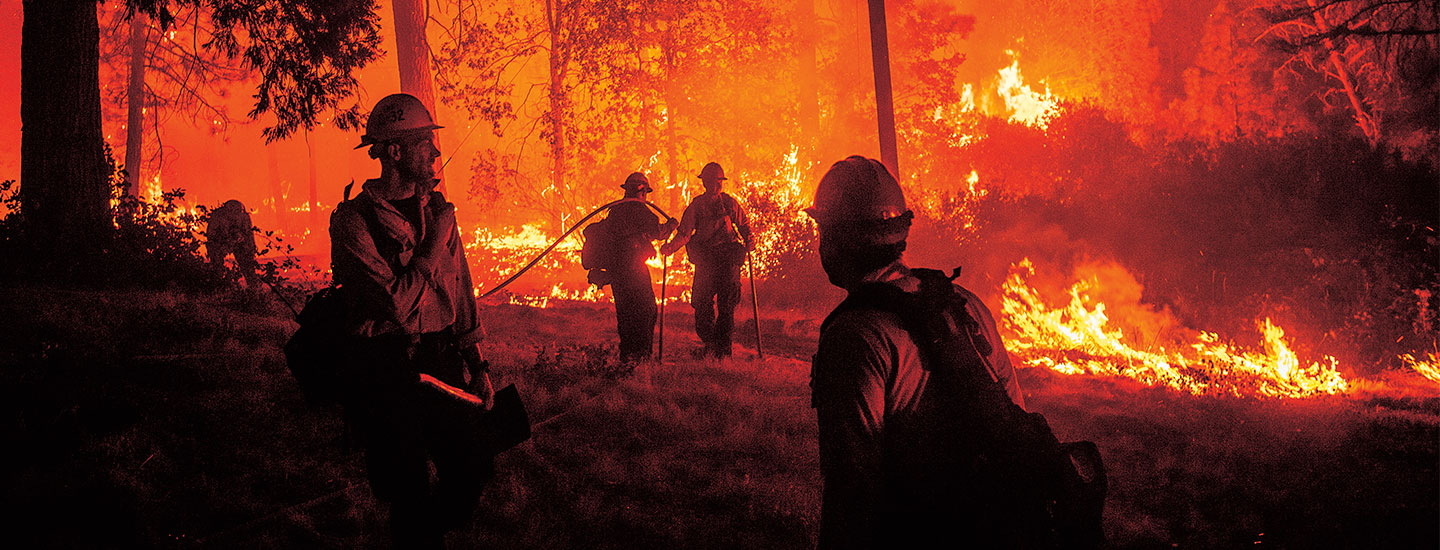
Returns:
(385, 295)
(667, 227)
(742, 225)
(849, 399)
(682, 233)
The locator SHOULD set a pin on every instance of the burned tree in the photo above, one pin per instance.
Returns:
(1382, 54)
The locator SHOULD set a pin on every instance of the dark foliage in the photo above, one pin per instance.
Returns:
(154, 245)
(1323, 233)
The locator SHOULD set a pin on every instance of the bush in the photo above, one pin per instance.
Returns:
(1334, 239)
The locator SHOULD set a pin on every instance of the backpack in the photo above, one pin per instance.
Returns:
(1056, 490)
(599, 250)
(724, 246)
(314, 353)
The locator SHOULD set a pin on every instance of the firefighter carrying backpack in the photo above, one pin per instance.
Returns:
(1059, 487)
(600, 248)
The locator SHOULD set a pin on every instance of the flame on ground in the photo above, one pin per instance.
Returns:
(1428, 366)
(1077, 339)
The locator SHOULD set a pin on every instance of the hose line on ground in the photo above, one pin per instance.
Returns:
(567, 233)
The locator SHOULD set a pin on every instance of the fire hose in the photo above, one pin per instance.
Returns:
(567, 233)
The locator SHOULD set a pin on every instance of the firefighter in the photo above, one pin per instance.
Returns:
(635, 228)
(229, 232)
(891, 478)
(397, 256)
(716, 236)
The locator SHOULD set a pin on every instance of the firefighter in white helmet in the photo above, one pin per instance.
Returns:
(397, 256)
(887, 469)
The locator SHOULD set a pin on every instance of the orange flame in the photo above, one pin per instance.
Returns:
(1428, 366)
(1077, 339)
(1026, 106)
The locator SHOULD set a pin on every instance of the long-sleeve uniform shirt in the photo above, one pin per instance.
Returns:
(394, 289)
(868, 380)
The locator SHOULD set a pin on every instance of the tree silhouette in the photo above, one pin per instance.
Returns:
(157, 72)
(305, 53)
(1382, 55)
(608, 87)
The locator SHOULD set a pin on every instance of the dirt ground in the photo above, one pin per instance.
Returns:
(160, 419)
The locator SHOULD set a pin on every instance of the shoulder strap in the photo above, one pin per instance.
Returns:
(367, 214)
(937, 319)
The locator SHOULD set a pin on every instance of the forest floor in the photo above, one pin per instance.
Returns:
(164, 419)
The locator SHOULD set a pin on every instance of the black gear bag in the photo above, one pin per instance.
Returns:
(313, 352)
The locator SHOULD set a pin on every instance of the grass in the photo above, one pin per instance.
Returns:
(160, 419)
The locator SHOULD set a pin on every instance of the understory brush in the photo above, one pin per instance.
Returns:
(194, 434)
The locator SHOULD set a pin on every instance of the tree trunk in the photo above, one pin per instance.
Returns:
(558, 150)
(673, 179)
(135, 106)
(64, 193)
(278, 207)
(1362, 118)
(412, 52)
(884, 101)
(809, 72)
(314, 185)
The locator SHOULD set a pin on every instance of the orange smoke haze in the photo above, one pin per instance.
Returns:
(1005, 68)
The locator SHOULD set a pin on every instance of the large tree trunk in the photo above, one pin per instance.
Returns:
(135, 106)
(558, 150)
(809, 72)
(413, 55)
(673, 178)
(884, 100)
(64, 192)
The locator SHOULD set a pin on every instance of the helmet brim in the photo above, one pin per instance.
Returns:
(366, 141)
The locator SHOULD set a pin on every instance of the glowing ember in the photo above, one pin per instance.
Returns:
(557, 292)
(151, 192)
(1077, 339)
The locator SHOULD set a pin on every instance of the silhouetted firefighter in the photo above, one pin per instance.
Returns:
(229, 232)
(617, 248)
(716, 236)
(923, 438)
(411, 311)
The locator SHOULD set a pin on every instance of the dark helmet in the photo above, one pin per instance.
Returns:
(712, 169)
(637, 181)
(859, 195)
(395, 116)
